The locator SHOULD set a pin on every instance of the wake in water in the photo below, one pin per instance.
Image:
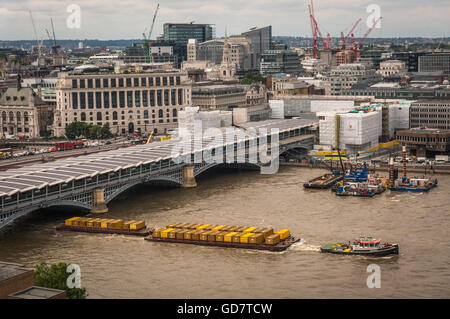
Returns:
(302, 245)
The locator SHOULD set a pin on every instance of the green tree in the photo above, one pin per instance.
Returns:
(75, 129)
(55, 276)
(251, 77)
(106, 132)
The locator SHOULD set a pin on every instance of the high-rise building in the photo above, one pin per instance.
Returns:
(435, 62)
(280, 61)
(261, 40)
(344, 76)
(410, 58)
(180, 33)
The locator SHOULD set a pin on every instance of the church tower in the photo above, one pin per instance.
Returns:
(227, 69)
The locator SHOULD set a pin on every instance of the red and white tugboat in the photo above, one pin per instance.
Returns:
(366, 246)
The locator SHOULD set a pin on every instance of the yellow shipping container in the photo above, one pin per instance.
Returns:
(217, 228)
(229, 237)
(221, 236)
(126, 225)
(212, 235)
(81, 222)
(256, 239)
(204, 235)
(188, 234)
(237, 238)
(91, 223)
(115, 223)
(69, 222)
(273, 239)
(165, 232)
(180, 233)
(172, 234)
(249, 230)
(267, 232)
(202, 227)
(104, 223)
(137, 225)
(196, 234)
(244, 238)
(157, 233)
(284, 233)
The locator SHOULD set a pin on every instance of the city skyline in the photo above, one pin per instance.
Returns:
(287, 17)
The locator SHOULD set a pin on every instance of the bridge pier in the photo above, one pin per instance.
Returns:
(99, 205)
(189, 177)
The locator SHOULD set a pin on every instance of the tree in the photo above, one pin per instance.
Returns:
(55, 276)
(106, 132)
(251, 77)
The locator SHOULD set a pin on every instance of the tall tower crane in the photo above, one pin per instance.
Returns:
(344, 39)
(146, 43)
(37, 38)
(357, 46)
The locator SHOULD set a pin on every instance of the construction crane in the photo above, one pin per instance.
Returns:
(314, 32)
(344, 40)
(147, 44)
(55, 46)
(37, 38)
(358, 45)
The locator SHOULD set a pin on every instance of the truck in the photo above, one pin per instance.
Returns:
(441, 159)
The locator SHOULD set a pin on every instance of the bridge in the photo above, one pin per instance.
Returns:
(90, 182)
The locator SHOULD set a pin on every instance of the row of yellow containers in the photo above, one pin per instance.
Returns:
(105, 223)
(239, 229)
(218, 236)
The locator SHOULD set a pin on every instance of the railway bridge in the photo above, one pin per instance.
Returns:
(90, 182)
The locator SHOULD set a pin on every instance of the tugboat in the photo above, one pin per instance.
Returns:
(366, 246)
(355, 189)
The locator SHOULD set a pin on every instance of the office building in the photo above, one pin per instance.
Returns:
(219, 97)
(391, 67)
(280, 61)
(180, 33)
(142, 101)
(344, 76)
(435, 62)
(430, 114)
(425, 142)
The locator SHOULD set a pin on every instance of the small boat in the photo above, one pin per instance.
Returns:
(355, 189)
(414, 184)
(324, 181)
(366, 246)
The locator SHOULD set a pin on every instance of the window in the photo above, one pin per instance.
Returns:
(143, 81)
(25, 116)
(114, 99)
(98, 100)
(82, 86)
(159, 97)
(4, 116)
(174, 112)
(150, 81)
(137, 98)
(19, 117)
(105, 83)
(74, 84)
(165, 81)
(136, 82)
(166, 97)
(130, 98)
(173, 97)
(97, 83)
(122, 99)
(75, 100)
(180, 96)
(82, 100)
(121, 83)
(152, 98)
(145, 114)
(113, 83)
(99, 116)
(171, 80)
(83, 116)
(114, 116)
(158, 81)
(90, 100)
(178, 80)
(90, 83)
(145, 98)
(160, 113)
(128, 82)
(106, 100)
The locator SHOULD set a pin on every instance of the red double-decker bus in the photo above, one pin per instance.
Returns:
(63, 146)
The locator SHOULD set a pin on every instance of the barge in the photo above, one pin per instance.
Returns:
(225, 236)
(105, 226)
(365, 246)
(324, 181)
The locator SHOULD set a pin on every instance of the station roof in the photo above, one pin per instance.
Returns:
(38, 176)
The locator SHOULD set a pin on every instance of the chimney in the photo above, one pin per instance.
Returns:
(19, 82)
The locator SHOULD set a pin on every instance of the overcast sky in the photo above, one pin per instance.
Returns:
(127, 19)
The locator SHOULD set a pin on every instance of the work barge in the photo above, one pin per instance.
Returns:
(185, 233)
(105, 226)
(225, 236)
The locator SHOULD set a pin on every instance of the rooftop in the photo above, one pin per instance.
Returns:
(11, 270)
(37, 293)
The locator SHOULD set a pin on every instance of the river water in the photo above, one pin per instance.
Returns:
(116, 266)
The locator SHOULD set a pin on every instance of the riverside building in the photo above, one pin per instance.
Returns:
(128, 102)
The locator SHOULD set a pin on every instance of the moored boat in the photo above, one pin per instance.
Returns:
(365, 246)
(324, 181)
